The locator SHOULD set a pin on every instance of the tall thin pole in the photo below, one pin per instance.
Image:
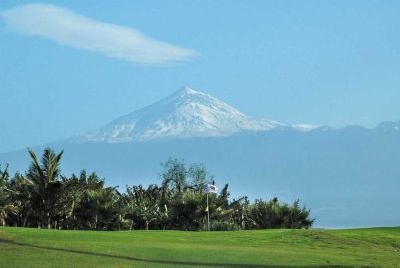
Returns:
(208, 215)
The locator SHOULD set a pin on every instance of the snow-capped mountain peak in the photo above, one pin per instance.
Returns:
(187, 91)
(184, 114)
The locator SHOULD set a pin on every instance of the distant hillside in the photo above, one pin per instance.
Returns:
(348, 177)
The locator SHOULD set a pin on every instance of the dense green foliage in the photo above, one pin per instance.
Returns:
(23, 247)
(44, 198)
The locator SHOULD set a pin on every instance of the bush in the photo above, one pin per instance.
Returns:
(224, 226)
(272, 214)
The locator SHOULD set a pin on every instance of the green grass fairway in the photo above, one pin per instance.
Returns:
(20, 247)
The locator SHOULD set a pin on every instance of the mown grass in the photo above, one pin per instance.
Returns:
(20, 247)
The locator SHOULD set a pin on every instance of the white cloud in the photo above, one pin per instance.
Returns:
(71, 29)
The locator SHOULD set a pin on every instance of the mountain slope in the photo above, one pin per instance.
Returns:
(185, 114)
(346, 176)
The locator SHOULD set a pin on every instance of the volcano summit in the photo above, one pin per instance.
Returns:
(185, 114)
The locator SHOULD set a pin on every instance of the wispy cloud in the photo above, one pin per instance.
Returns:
(71, 29)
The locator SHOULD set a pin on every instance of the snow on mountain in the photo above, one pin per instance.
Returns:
(186, 113)
(304, 127)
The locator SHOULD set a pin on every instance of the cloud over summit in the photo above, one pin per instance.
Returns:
(74, 30)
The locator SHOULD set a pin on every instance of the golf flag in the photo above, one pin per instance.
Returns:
(212, 189)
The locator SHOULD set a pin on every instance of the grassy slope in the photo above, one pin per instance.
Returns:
(32, 247)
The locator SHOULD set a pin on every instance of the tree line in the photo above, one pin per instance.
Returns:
(44, 198)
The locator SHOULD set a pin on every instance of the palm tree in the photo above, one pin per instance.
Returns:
(6, 207)
(46, 186)
(101, 208)
(143, 205)
(3, 197)
(21, 194)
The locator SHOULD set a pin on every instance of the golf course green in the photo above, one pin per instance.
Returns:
(24, 247)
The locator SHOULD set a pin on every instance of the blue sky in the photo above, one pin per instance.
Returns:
(68, 67)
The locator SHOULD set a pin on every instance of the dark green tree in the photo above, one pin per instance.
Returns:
(7, 206)
(74, 192)
(175, 176)
(144, 206)
(21, 195)
(199, 177)
(45, 185)
(272, 214)
(99, 210)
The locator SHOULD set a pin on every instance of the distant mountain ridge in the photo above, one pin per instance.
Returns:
(185, 114)
(349, 177)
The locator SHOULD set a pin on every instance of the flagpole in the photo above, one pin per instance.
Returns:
(208, 215)
(211, 188)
